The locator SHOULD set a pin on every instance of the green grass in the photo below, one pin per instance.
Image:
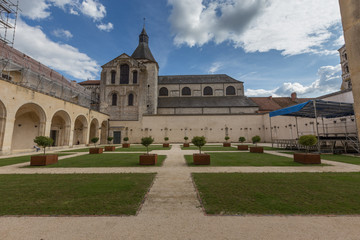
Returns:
(22, 159)
(140, 148)
(245, 159)
(73, 194)
(279, 193)
(210, 148)
(102, 160)
(338, 158)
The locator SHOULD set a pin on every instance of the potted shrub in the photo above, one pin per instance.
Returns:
(147, 159)
(242, 146)
(95, 150)
(42, 160)
(227, 144)
(126, 144)
(166, 144)
(307, 158)
(109, 148)
(186, 144)
(200, 158)
(256, 149)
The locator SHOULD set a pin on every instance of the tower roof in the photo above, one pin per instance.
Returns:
(143, 51)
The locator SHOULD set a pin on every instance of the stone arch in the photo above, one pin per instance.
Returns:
(104, 132)
(60, 128)
(80, 130)
(2, 123)
(124, 74)
(208, 91)
(163, 92)
(230, 91)
(131, 99)
(135, 77)
(30, 122)
(186, 91)
(113, 77)
(111, 98)
(94, 129)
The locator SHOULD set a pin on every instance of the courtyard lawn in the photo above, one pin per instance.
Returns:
(102, 160)
(245, 159)
(211, 148)
(338, 158)
(140, 148)
(22, 159)
(279, 193)
(73, 194)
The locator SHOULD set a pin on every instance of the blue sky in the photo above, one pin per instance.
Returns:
(275, 47)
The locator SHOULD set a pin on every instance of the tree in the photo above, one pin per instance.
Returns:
(146, 142)
(199, 142)
(242, 139)
(308, 141)
(94, 140)
(126, 139)
(166, 139)
(110, 139)
(43, 142)
(186, 138)
(227, 138)
(256, 139)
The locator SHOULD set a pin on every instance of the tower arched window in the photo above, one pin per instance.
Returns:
(124, 74)
(135, 76)
(186, 91)
(113, 75)
(230, 90)
(163, 92)
(114, 99)
(208, 91)
(131, 99)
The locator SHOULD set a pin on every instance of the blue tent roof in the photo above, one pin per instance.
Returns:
(326, 109)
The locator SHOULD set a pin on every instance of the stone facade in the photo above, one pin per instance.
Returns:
(346, 80)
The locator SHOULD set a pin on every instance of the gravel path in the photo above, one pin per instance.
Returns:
(172, 210)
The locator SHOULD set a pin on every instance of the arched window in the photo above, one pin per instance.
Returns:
(135, 77)
(113, 75)
(131, 99)
(124, 74)
(114, 99)
(163, 92)
(186, 91)
(208, 91)
(230, 90)
(345, 56)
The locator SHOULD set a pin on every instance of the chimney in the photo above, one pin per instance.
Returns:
(293, 96)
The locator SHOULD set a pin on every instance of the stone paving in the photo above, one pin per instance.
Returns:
(172, 210)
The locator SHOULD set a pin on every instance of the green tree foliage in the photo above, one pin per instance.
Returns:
(109, 139)
(199, 142)
(126, 139)
(308, 141)
(256, 139)
(43, 142)
(242, 139)
(94, 140)
(146, 142)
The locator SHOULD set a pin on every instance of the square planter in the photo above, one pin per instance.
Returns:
(201, 159)
(96, 150)
(126, 145)
(243, 147)
(43, 160)
(148, 159)
(307, 158)
(226, 144)
(109, 148)
(186, 145)
(166, 145)
(256, 149)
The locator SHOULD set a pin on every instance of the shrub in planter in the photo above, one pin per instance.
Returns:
(307, 158)
(226, 144)
(109, 148)
(41, 160)
(200, 158)
(186, 144)
(166, 144)
(242, 147)
(126, 144)
(147, 159)
(95, 150)
(256, 149)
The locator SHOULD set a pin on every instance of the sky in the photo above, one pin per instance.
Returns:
(275, 47)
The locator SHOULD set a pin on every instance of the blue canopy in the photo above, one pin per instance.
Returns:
(326, 109)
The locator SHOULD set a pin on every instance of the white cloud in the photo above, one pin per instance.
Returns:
(329, 81)
(34, 9)
(105, 27)
(61, 33)
(340, 41)
(93, 9)
(216, 66)
(61, 57)
(292, 27)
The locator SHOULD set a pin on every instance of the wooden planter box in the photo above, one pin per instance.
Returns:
(201, 159)
(43, 160)
(96, 150)
(148, 159)
(243, 147)
(166, 145)
(226, 144)
(126, 145)
(256, 149)
(109, 148)
(186, 145)
(307, 158)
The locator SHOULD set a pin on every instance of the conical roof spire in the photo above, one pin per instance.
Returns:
(143, 51)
